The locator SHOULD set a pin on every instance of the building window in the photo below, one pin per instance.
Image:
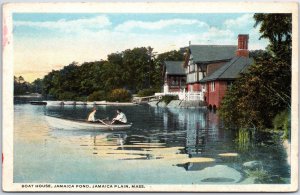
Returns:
(192, 68)
(183, 81)
(212, 86)
(200, 75)
(229, 83)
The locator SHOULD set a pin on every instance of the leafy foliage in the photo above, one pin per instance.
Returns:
(147, 92)
(97, 96)
(282, 122)
(22, 87)
(133, 69)
(277, 28)
(67, 96)
(265, 89)
(258, 95)
(120, 95)
(137, 69)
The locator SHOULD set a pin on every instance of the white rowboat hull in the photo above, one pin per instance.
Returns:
(78, 125)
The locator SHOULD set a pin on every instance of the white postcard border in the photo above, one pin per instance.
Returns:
(154, 7)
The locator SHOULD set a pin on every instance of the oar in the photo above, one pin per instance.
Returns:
(88, 121)
(106, 124)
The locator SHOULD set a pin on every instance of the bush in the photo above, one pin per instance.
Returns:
(282, 122)
(97, 96)
(120, 95)
(67, 96)
(146, 92)
(81, 98)
(168, 98)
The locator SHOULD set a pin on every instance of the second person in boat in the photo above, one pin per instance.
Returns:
(120, 118)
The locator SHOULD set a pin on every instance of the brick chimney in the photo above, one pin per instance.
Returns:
(243, 46)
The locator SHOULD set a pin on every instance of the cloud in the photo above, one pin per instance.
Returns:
(68, 25)
(239, 22)
(245, 25)
(157, 25)
(217, 36)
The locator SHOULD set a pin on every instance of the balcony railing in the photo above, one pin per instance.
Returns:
(183, 95)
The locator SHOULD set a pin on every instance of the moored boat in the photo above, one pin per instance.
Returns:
(70, 124)
(38, 103)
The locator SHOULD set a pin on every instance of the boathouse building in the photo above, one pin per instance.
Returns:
(203, 60)
(208, 71)
(174, 76)
(217, 83)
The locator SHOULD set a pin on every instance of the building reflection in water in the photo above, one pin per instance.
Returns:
(196, 131)
(203, 130)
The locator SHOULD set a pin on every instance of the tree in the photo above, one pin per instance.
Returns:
(90, 77)
(265, 89)
(21, 86)
(133, 69)
(21, 79)
(112, 76)
(137, 66)
(257, 96)
(277, 28)
(37, 86)
(51, 84)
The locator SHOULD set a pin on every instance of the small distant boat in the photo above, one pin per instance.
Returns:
(38, 103)
(84, 125)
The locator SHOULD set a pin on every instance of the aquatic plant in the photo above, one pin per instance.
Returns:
(243, 139)
(262, 176)
(282, 122)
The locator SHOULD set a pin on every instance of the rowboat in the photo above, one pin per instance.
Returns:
(38, 103)
(70, 124)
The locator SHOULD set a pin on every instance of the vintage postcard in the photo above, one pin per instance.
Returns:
(150, 97)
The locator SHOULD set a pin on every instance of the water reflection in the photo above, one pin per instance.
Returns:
(188, 137)
(166, 141)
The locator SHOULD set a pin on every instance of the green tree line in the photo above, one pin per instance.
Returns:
(22, 87)
(122, 74)
(261, 98)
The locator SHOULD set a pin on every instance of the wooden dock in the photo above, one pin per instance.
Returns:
(95, 103)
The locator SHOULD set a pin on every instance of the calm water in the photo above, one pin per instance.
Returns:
(164, 146)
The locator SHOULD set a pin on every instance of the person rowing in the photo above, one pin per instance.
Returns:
(120, 118)
(91, 117)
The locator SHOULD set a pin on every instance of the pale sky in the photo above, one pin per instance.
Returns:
(46, 41)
